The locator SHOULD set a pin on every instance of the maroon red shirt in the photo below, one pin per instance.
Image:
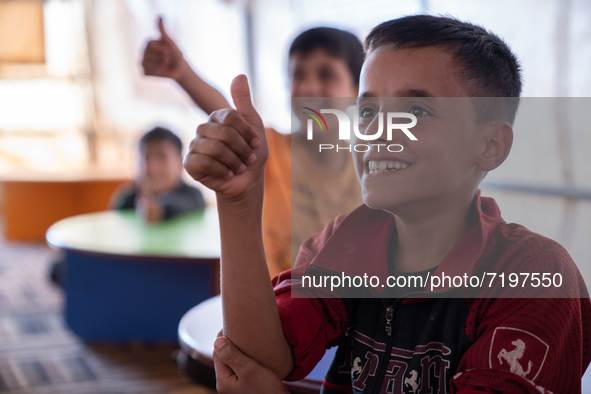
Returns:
(439, 345)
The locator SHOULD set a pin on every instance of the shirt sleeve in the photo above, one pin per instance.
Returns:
(310, 325)
(536, 348)
(529, 345)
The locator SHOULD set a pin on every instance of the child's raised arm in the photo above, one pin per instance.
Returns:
(228, 156)
(162, 58)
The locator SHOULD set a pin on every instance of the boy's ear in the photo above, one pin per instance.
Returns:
(497, 144)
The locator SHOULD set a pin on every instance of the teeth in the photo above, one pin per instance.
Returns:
(375, 167)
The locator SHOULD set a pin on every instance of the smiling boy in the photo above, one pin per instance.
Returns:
(423, 214)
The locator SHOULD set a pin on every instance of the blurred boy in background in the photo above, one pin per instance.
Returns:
(158, 192)
(323, 62)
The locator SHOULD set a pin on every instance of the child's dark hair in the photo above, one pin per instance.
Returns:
(159, 134)
(338, 43)
(486, 65)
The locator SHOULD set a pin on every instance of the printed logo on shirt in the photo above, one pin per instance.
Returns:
(422, 370)
(517, 351)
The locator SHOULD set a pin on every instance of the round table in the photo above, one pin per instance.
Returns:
(200, 326)
(129, 280)
(192, 236)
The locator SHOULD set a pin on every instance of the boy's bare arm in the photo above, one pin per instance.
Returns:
(162, 58)
(228, 156)
(204, 95)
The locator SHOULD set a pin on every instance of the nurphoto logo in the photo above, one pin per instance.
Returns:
(345, 129)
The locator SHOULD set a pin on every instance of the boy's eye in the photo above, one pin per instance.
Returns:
(366, 112)
(418, 111)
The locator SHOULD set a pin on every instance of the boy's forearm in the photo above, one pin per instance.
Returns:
(251, 317)
(204, 95)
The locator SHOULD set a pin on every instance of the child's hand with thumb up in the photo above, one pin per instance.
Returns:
(230, 150)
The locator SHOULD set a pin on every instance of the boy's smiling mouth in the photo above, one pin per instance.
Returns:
(379, 166)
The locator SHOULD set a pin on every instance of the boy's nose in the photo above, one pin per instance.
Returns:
(152, 167)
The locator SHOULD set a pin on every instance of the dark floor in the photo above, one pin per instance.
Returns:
(38, 353)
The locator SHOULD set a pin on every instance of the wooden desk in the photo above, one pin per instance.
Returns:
(198, 330)
(127, 280)
(33, 202)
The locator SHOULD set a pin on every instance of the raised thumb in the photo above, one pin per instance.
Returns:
(165, 36)
(242, 101)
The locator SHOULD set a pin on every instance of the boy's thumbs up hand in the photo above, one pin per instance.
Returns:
(165, 36)
(229, 152)
(162, 57)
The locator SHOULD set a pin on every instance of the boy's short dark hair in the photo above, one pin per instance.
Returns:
(338, 43)
(159, 134)
(487, 67)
